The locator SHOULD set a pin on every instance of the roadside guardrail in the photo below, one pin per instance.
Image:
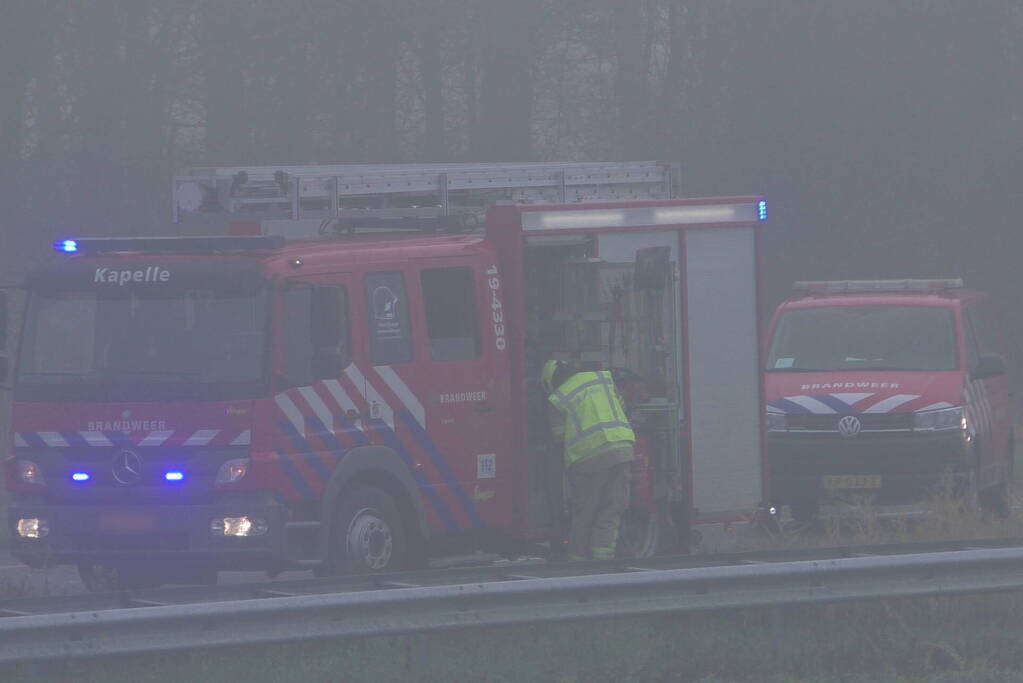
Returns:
(514, 598)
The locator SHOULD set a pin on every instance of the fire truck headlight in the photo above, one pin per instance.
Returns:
(233, 471)
(239, 526)
(30, 473)
(33, 527)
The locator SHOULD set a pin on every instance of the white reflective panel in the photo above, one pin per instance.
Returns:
(698, 214)
(724, 380)
(637, 216)
(555, 220)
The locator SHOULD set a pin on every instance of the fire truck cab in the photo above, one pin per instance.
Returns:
(360, 392)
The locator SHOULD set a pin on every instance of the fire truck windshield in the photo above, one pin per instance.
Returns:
(826, 338)
(152, 341)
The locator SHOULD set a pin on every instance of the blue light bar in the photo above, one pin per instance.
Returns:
(169, 245)
(174, 476)
(762, 210)
(80, 476)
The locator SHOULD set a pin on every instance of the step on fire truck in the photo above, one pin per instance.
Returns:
(346, 376)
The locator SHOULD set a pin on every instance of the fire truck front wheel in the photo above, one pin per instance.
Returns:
(369, 536)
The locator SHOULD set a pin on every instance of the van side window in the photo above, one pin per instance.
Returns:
(449, 295)
(315, 333)
(390, 334)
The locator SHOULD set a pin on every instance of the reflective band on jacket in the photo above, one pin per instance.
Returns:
(593, 414)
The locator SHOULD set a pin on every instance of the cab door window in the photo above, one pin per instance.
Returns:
(452, 325)
(315, 332)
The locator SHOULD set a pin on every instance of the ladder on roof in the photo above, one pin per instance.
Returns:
(414, 190)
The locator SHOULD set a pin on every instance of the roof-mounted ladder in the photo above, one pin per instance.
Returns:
(396, 190)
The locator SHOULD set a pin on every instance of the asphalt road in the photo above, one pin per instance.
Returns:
(17, 580)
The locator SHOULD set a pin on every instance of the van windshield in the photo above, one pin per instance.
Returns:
(89, 338)
(864, 338)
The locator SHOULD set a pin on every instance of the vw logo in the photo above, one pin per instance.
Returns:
(127, 468)
(849, 426)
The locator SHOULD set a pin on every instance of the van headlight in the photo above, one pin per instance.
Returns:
(777, 422)
(938, 420)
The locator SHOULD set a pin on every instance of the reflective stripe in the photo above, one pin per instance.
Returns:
(592, 383)
(612, 402)
(594, 429)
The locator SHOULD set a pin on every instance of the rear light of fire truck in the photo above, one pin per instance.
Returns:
(232, 471)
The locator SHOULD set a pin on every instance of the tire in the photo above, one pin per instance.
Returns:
(970, 496)
(639, 534)
(805, 511)
(369, 536)
(996, 499)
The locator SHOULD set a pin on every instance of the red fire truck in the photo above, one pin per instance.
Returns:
(345, 378)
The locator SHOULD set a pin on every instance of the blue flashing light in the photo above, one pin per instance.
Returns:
(762, 210)
(174, 476)
(80, 476)
(66, 246)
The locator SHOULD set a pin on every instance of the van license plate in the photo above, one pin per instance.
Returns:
(852, 481)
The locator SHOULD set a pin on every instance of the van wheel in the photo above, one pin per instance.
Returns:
(368, 534)
(639, 534)
(805, 511)
(995, 499)
(969, 494)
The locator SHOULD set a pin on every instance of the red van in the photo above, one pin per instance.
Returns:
(891, 389)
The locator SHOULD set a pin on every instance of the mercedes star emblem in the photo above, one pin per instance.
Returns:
(127, 467)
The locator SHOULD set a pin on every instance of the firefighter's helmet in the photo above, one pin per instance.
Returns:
(547, 374)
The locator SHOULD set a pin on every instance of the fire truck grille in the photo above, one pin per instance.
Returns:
(868, 421)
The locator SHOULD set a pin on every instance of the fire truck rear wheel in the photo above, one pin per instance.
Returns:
(369, 536)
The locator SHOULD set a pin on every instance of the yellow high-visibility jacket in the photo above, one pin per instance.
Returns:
(593, 414)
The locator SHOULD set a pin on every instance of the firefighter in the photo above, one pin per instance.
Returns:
(587, 415)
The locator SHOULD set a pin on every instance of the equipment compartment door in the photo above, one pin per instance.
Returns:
(724, 375)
